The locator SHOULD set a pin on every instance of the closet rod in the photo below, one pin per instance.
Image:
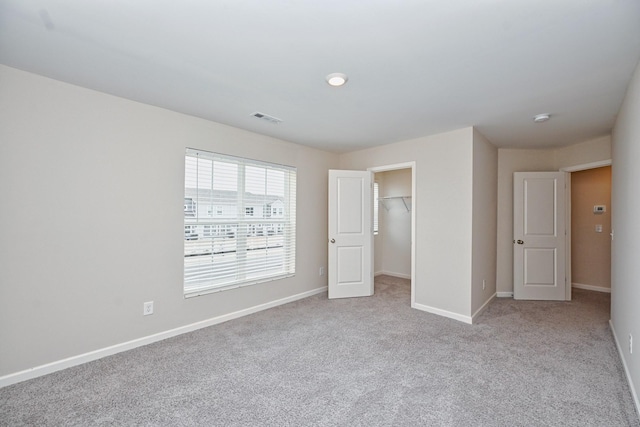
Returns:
(404, 201)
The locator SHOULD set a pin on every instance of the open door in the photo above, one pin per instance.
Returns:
(539, 235)
(350, 271)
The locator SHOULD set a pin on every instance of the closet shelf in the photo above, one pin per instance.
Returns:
(404, 199)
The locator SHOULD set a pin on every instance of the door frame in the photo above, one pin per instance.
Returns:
(568, 170)
(414, 204)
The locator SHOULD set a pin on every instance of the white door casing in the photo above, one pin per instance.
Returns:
(539, 236)
(350, 270)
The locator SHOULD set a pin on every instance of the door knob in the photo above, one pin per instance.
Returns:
(520, 242)
(333, 240)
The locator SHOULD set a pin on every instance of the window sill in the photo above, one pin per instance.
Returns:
(222, 288)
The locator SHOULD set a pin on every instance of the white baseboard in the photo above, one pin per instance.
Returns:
(393, 274)
(444, 313)
(626, 368)
(591, 287)
(504, 294)
(69, 362)
(483, 308)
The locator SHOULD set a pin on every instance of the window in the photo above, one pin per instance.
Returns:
(247, 244)
(376, 205)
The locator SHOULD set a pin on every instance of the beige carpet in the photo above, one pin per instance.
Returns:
(354, 362)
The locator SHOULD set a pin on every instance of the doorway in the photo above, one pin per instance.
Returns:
(591, 235)
(394, 221)
(590, 229)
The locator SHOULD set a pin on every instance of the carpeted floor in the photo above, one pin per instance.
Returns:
(354, 362)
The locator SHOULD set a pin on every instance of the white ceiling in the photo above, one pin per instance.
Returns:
(415, 67)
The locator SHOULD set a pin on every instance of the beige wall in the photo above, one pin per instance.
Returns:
(455, 180)
(393, 243)
(443, 206)
(517, 160)
(590, 250)
(92, 219)
(625, 247)
(594, 150)
(485, 201)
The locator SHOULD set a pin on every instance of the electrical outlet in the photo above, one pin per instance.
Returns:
(630, 344)
(484, 284)
(147, 308)
(321, 272)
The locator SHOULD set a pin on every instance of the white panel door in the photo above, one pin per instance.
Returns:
(350, 271)
(539, 236)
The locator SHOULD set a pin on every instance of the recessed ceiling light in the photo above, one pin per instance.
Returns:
(539, 118)
(337, 79)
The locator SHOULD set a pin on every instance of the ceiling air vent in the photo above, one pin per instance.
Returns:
(268, 118)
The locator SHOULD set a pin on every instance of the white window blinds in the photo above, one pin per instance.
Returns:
(376, 206)
(239, 222)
